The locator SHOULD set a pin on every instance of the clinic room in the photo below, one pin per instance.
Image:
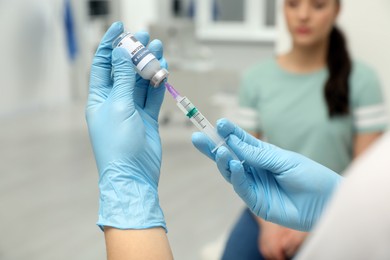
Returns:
(110, 124)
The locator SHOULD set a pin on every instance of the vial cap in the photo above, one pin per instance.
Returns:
(159, 77)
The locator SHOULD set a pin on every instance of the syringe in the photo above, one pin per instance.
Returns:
(199, 120)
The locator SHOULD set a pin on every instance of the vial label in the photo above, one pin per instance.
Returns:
(140, 56)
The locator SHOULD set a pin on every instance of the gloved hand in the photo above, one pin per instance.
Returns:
(277, 185)
(122, 115)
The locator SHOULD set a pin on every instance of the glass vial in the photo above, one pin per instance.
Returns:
(145, 63)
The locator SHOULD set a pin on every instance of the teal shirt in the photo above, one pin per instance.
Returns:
(291, 111)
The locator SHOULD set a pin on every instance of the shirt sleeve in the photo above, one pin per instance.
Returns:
(368, 107)
(247, 114)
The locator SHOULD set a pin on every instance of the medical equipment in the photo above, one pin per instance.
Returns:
(146, 64)
(149, 68)
(198, 119)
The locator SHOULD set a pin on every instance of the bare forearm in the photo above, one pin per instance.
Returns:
(137, 244)
(363, 141)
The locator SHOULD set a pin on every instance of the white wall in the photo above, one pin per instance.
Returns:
(367, 25)
(283, 42)
(137, 15)
(220, 55)
(34, 67)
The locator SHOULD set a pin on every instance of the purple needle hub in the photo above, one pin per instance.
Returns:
(172, 90)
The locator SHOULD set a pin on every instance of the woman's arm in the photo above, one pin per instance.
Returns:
(137, 244)
(363, 141)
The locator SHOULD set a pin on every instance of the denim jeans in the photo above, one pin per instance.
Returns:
(242, 243)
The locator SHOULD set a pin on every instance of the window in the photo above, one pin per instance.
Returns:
(236, 20)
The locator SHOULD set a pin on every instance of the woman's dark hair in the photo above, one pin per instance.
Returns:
(339, 67)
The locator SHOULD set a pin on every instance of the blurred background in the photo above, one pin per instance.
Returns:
(48, 187)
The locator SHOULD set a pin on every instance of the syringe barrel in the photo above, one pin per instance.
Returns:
(207, 128)
(203, 124)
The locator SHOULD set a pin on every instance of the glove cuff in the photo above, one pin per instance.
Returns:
(128, 201)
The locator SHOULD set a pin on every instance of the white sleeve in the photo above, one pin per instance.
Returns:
(356, 224)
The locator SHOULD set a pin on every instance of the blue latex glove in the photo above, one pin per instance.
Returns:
(277, 185)
(122, 115)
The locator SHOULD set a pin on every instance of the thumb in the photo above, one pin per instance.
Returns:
(124, 77)
(268, 157)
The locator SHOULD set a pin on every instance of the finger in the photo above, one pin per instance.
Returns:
(273, 253)
(226, 128)
(156, 48)
(290, 252)
(124, 79)
(163, 63)
(143, 37)
(292, 242)
(154, 100)
(269, 157)
(279, 255)
(286, 243)
(103, 53)
(155, 96)
(242, 185)
(203, 144)
(222, 158)
(100, 81)
(140, 91)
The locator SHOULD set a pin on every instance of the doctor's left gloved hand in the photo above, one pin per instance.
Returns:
(122, 113)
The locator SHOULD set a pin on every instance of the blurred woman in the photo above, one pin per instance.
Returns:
(313, 100)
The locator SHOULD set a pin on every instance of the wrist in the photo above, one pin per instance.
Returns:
(128, 200)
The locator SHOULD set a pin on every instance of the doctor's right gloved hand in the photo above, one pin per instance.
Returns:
(277, 185)
(122, 115)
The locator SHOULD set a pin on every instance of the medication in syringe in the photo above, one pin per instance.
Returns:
(198, 119)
